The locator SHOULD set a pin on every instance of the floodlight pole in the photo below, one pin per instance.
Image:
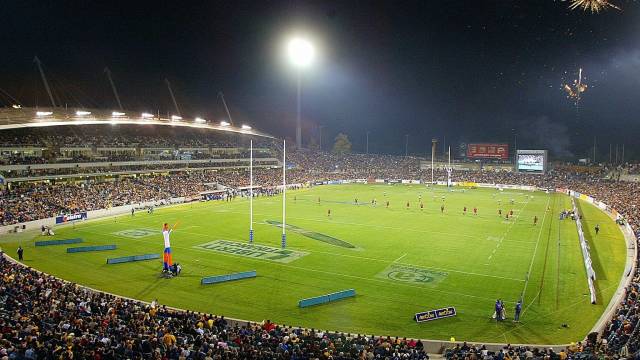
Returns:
(251, 191)
(284, 192)
(113, 87)
(226, 108)
(406, 145)
(44, 80)
(173, 98)
(298, 125)
(367, 142)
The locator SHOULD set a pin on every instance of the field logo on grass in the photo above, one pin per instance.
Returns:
(136, 233)
(314, 235)
(411, 274)
(253, 251)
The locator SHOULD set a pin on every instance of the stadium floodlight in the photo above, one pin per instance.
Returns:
(117, 114)
(246, 127)
(224, 123)
(146, 116)
(199, 120)
(176, 118)
(301, 52)
(44, 113)
(82, 113)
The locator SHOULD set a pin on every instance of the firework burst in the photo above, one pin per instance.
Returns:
(595, 6)
(574, 91)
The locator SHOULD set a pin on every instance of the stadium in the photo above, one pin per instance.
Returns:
(138, 234)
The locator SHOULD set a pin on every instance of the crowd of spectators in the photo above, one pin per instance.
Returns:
(48, 318)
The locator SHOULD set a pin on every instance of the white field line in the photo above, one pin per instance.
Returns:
(386, 261)
(400, 258)
(187, 215)
(327, 272)
(504, 235)
(381, 227)
(535, 250)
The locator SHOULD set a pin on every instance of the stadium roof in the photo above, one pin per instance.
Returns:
(15, 118)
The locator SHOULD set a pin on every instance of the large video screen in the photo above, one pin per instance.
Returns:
(531, 162)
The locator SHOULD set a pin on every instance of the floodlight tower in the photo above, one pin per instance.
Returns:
(301, 53)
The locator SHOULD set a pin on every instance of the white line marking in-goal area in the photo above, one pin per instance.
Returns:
(400, 258)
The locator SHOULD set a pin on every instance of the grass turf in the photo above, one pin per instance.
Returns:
(403, 261)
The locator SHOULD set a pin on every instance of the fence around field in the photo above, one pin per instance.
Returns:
(586, 253)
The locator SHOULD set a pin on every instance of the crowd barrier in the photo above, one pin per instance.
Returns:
(125, 259)
(91, 248)
(58, 242)
(586, 253)
(323, 299)
(227, 277)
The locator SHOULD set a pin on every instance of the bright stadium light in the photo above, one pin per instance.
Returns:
(246, 127)
(117, 114)
(44, 113)
(146, 116)
(83, 112)
(176, 118)
(301, 52)
(224, 123)
(199, 120)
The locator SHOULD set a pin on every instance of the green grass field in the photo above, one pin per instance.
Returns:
(400, 261)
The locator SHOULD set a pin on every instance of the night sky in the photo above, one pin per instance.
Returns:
(470, 71)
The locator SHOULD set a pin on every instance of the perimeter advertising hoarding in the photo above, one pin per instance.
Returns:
(435, 314)
(61, 219)
(488, 151)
